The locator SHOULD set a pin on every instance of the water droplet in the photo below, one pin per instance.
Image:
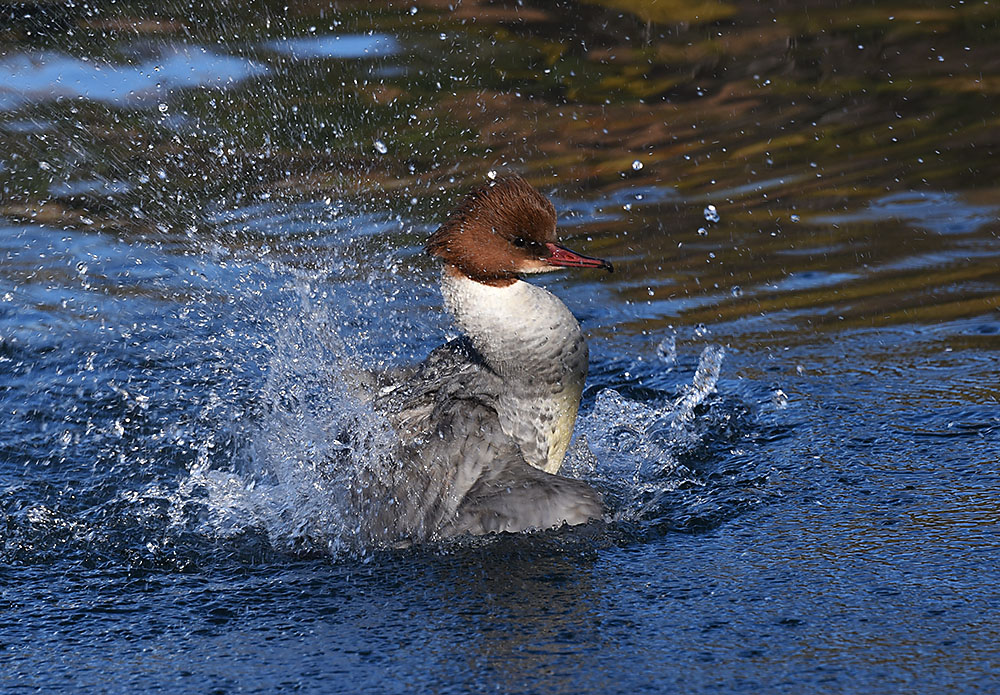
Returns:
(795, 218)
(636, 165)
(667, 350)
(737, 291)
(491, 175)
(702, 231)
(380, 147)
(701, 330)
(162, 108)
(779, 399)
(711, 213)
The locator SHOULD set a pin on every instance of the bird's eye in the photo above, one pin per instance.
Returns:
(520, 242)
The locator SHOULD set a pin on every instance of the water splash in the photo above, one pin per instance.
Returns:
(705, 379)
(632, 449)
(302, 459)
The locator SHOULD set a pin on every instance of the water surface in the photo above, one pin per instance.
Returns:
(211, 217)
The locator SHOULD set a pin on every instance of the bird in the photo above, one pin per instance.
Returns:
(485, 421)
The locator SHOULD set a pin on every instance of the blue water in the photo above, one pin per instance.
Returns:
(838, 534)
(795, 423)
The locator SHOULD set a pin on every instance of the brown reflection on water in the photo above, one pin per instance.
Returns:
(796, 120)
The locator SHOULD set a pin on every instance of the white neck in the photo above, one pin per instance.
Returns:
(529, 337)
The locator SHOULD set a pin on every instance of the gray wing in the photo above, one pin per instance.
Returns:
(458, 471)
(455, 371)
(521, 497)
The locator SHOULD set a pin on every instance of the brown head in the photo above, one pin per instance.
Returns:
(502, 230)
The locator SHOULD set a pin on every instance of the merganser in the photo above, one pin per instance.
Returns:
(486, 420)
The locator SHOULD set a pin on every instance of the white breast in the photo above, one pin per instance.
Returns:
(529, 337)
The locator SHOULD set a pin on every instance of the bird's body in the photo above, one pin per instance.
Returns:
(485, 421)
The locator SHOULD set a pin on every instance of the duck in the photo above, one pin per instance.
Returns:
(484, 423)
